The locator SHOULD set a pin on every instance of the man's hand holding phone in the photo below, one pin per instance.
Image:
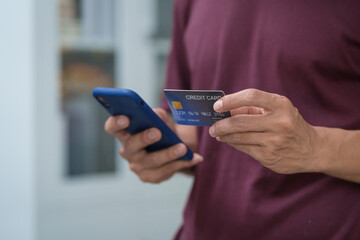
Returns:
(152, 167)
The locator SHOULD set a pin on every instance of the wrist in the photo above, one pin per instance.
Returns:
(327, 149)
(338, 153)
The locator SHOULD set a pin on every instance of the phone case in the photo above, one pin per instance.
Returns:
(127, 102)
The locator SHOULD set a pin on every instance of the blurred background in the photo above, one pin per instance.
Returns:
(60, 174)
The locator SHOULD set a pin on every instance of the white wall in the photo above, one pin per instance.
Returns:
(17, 142)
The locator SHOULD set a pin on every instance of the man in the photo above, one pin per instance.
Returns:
(286, 165)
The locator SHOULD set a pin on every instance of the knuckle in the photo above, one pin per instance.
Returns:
(153, 160)
(235, 137)
(219, 127)
(134, 167)
(143, 178)
(146, 178)
(240, 122)
(286, 124)
(283, 101)
(296, 112)
(252, 93)
(227, 101)
(157, 181)
(170, 153)
(150, 158)
(122, 152)
(144, 136)
(126, 145)
(150, 177)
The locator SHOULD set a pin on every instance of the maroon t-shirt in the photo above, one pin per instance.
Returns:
(308, 51)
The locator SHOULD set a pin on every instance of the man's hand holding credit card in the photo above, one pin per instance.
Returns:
(195, 107)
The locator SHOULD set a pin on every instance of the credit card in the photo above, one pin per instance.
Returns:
(195, 107)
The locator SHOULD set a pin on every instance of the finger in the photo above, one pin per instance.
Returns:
(159, 158)
(165, 117)
(116, 126)
(166, 171)
(140, 140)
(247, 138)
(241, 123)
(248, 97)
(247, 110)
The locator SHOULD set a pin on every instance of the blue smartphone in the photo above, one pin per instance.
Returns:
(119, 101)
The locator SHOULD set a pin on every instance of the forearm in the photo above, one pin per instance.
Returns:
(339, 153)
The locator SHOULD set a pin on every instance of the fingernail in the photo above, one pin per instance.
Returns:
(218, 105)
(178, 150)
(121, 121)
(212, 131)
(152, 134)
(198, 158)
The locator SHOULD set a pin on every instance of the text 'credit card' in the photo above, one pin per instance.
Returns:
(195, 107)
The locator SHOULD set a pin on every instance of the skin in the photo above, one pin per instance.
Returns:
(269, 128)
(159, 166)
(263, 125)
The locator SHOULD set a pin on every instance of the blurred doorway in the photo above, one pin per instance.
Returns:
(86, 191)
